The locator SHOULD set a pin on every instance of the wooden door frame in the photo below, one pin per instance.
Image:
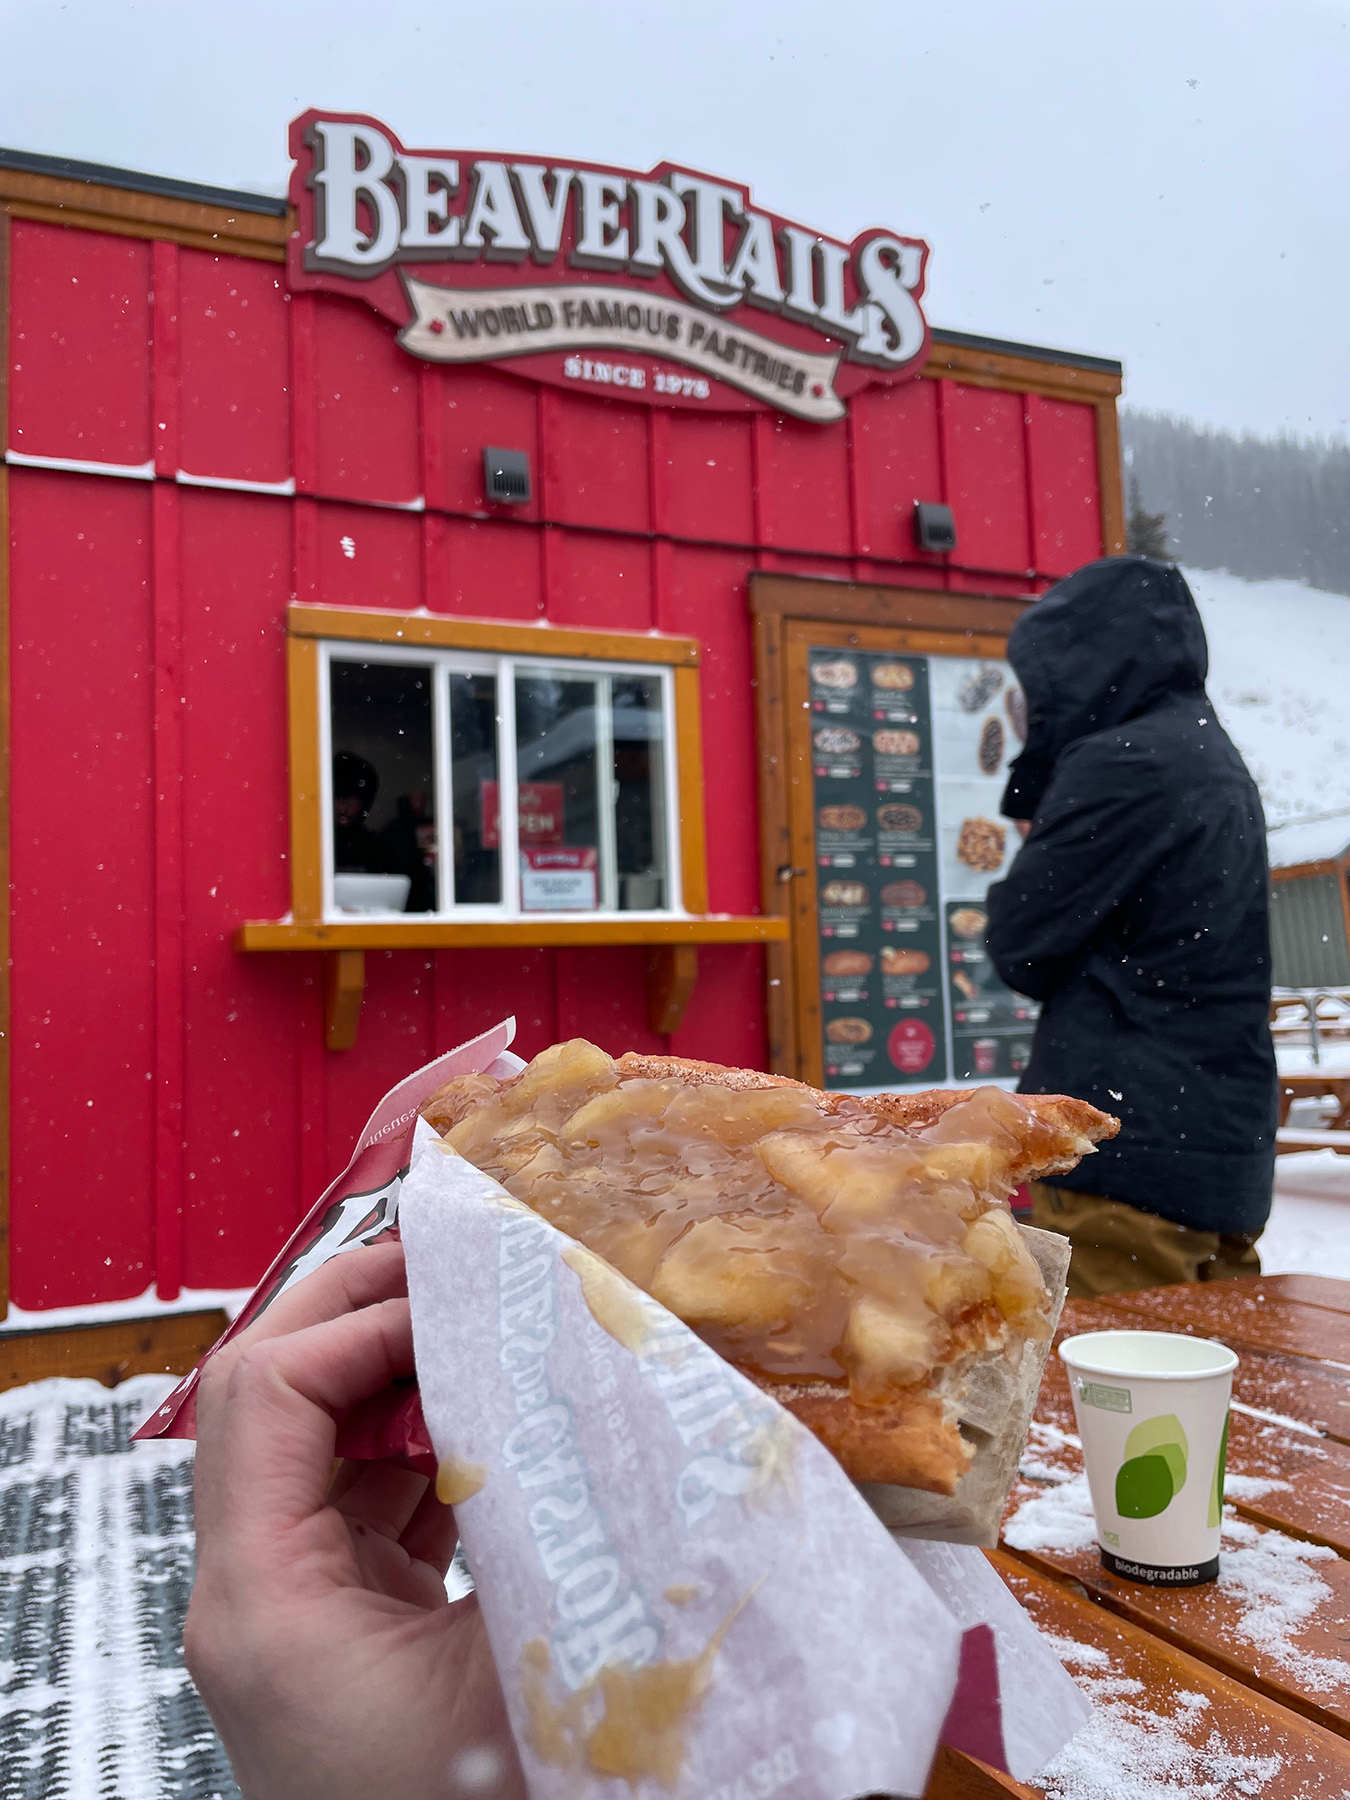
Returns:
(777, 602)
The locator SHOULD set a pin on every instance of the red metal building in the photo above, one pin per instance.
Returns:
(197, 445)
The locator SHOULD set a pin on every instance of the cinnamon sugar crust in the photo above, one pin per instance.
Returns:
(909, 1442)
(1083, 1126)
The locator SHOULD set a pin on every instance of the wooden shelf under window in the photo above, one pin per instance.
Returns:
(672, 965)
(484, 934)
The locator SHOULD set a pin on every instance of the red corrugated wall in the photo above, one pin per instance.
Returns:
(173, 1105)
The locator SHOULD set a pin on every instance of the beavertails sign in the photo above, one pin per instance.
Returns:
(668, 286)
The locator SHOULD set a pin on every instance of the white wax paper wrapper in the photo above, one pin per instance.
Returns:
(1040, 1708)
(682, 1589)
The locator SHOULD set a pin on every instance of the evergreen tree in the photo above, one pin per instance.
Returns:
(1257, 507)
(1145, 532)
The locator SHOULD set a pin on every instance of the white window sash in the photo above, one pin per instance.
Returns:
(504, 669)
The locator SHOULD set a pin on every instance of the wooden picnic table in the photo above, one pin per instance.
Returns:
(1334, 1134)
(1243, 1685)
(1313, 1087)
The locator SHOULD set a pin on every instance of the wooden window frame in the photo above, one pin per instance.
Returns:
(310, 628)
(673, 936)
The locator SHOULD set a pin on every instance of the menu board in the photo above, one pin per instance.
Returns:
(908, 758)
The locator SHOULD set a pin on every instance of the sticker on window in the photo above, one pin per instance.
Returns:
(558, 880)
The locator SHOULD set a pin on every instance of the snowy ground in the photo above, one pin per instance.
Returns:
(1309, 1230)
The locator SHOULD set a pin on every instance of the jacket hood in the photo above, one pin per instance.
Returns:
(1104, 646)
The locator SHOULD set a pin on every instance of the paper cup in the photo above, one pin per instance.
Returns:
(1152, 1410)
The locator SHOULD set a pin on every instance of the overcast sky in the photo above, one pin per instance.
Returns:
(1163, 181)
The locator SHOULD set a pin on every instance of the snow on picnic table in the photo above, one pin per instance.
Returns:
(1142, 1745)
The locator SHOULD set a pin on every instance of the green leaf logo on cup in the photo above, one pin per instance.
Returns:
(1216, 1486)
(1152, 1408)
(1154, 1470)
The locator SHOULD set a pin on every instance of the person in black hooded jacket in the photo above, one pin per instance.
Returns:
(1137, 913)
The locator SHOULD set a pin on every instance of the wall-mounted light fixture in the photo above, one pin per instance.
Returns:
(934, 526)
(506, 476)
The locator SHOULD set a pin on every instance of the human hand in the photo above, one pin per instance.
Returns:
(319, 1634)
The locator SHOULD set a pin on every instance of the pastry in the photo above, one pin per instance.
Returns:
(899, 817)
(841, 818)
(977, 690)
(847, 962)
(837, 740)
(969, 921)
(908, 894)
(839, 674)
(980, 845)
(904, 962)
(854, 1256)
(895, 743)
(898, 677)
(844, 893)
(847, 1031)
(991, 745)
(1015, 704)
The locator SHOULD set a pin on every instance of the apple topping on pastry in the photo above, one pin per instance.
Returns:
(852, 1255)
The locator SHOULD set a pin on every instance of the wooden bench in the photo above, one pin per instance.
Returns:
(1316, 1087)
(166, 1344)
(1309, 1019)
(1290, 1139)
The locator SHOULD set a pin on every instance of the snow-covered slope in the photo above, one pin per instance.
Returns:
(1279, 676)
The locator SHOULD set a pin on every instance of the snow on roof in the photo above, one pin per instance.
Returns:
(1309, 840)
